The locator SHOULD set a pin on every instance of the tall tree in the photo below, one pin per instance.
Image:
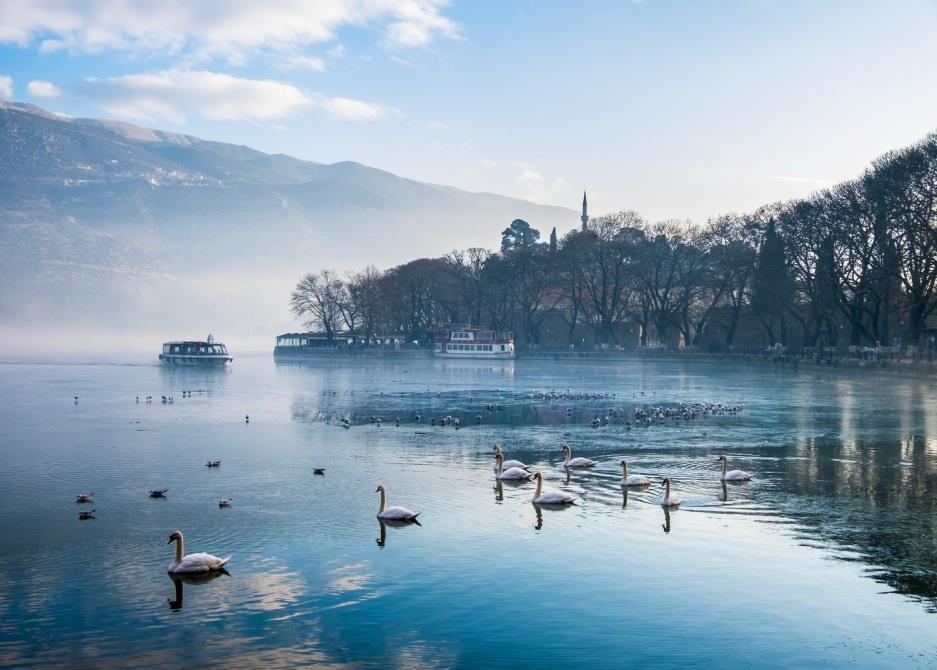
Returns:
(318, 298)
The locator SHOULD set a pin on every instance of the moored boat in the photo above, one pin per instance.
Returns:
(465, 342)
(195, 353)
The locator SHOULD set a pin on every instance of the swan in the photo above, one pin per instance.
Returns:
(510, 463)
(669, 499)
(192, 563)
(542, 497)
(395, 513)
(510, 473)
(632, 480)
(732, 475)
(576, 462)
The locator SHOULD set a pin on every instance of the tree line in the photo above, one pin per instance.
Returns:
(855, 264)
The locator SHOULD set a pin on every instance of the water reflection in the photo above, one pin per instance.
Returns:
(384, 524)
(666, 524)
(178, 580)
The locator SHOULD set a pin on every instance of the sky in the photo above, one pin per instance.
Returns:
(675, 109)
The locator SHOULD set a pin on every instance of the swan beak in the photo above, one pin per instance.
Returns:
(169, 541)
(376, 490)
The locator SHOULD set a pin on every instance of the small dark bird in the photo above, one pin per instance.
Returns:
(84, 498)
(397, 421)
(318, 471)
(478, 418)
(76, 400)
(158, 493)
(87, 514)
(225, 502)
(213, 464)
(247, 418)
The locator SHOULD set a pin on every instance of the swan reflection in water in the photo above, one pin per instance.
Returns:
(499, 491)
(666, 524)
(180, 579)
(393, 523)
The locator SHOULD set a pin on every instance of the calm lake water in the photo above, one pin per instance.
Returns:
(827, 557)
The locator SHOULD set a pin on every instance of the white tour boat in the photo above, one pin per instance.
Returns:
(207, 353)
(464, 342)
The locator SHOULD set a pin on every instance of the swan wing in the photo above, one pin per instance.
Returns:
(671, 501)
(515, 473)
(200, 562)
(737, 475)
(398, 512)
(580, 463)
(637, 480)
(514, 464)
(554, 498)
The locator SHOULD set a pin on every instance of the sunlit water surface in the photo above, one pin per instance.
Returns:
(826, 558)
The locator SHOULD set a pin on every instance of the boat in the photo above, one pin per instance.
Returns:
(466, 342)
(194, 353)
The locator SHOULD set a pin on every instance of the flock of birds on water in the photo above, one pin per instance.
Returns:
(505, 470)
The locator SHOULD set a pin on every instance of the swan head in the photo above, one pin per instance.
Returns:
(664, 481)
(721, 458)
(496, 448)
(538, 476)
(379, 489)
(623, 462)
(174, 536)
(565, 448)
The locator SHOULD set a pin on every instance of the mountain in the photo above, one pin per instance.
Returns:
(104, 223)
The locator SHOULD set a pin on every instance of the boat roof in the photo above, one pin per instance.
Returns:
(192, 342)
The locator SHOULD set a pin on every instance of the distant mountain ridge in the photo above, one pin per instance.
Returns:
(88, 207)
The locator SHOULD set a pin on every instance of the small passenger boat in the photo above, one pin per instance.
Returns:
(193, 353)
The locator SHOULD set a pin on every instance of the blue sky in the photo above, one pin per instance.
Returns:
(675, 109)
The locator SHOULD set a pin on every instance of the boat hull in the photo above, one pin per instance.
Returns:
(488, 355)
(190, 360)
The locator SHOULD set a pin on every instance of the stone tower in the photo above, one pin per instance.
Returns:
(585, 214)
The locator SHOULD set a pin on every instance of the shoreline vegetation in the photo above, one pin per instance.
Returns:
(852, 267)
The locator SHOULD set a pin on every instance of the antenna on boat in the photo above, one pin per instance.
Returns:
(210, 339)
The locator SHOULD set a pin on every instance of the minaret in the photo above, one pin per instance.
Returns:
(585, 214)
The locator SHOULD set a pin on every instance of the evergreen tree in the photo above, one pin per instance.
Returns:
(553, 239)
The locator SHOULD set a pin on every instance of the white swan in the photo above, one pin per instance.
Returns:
(193, 563)
(395, 513)
(542, 497)
(732, 475)
(576, 462)
(510, 463)
(511, 473)
(632, 480)
(669, 499)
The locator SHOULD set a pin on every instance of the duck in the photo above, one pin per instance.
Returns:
(318, 471)
(511, 473)
(225, 502)
(213, 464)
(576, 462)
(192, 563)
(548, 497)
(84, 498)
(395, 513)
(510, 463)
(158, 493)
(632, 480)
(87, 514)
(732, 475)
(669, 499)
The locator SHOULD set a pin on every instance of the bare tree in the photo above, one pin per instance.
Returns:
(318, 299)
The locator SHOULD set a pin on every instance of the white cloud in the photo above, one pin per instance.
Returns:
(233, 29)
(338, 51)
(347, 109)
(304, 63)
(173, 94)
(43, 89)
(6, 86)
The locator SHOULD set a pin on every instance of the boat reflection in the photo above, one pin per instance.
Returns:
(179, 580)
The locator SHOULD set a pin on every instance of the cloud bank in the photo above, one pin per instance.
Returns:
(6, 86)
(230, 29)
(43, 89)
(172, 94)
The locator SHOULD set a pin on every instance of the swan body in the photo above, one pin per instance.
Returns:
(548, 497)
(732, 475)
(192, 563)
(510, 463)
(632, 480)
(510, 473)
(669, 499)
(395, 512)
(576, 462)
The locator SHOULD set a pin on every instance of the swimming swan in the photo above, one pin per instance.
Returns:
(732, 475)
(510, 473)
(510, 463)
(669, 499)
(542, 497)
(395, 513)
(193, 563)
(576, 462)
(632, 480)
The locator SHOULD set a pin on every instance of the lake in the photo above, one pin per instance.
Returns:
(827, 557)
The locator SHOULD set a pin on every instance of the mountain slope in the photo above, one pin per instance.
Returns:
(103, 222)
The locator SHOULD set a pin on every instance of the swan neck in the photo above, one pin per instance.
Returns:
(569, 454)
(383, 502)
(725, 466)
(667, 489)
(180, 551)
(539, 487)
(624, 470)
